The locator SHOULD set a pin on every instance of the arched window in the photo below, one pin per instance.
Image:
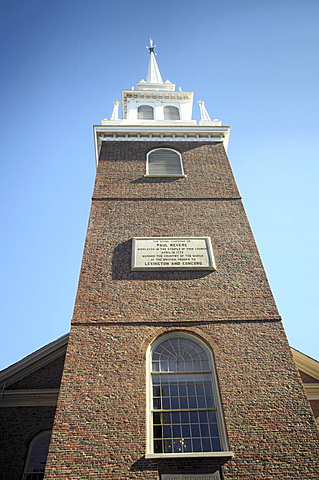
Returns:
(171, 113)
(186, 416)
(37, 456)
(145, 112)
(164, 162)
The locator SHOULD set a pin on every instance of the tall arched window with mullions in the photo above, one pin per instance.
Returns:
(37, 456)
(185, 409)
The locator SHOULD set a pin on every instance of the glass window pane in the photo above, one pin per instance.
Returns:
(210, 402)
(212, 416)
(206, 445)
(166, 403)
(168, 445)
(194, 417)
(157, 446)
(175, 403)
(187, 445)
(195, 430)
(216, 445)
(166, 418)
(214, 430)
(184, 417)
(156, 418)
(176, 418)
(157, 432)
(174, 390)
(167, 431)
(204, 430)
(186, 430)
(192, 402)
(197, 445)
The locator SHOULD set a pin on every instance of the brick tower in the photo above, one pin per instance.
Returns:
(177, 365)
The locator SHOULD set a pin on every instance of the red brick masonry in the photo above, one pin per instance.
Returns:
(100, 426)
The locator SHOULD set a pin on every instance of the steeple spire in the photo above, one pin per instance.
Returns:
(153, 73)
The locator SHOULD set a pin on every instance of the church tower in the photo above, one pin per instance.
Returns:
(177, 365)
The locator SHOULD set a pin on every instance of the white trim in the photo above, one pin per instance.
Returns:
(190, 454)
(29, 398)
(34, 361)
(149, 396)
(167, 175)
(306, 364)
(158, 131)
(312, 390)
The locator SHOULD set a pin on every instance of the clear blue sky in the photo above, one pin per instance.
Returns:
(255, 64)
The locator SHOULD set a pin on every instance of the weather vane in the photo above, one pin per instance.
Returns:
(151, 47)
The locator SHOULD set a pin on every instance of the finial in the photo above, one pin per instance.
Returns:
(115, 113)
(204, 116)
(151, 47)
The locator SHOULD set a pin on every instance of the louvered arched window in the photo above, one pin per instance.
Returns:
(145, 112)
(185, 409)
(37, 456)
(164, 162)
(171, 113)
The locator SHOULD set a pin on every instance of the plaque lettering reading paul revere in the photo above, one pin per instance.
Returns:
(172, 253)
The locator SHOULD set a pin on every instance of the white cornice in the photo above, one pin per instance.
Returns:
(157, 95)
(306, 364)
(312, 390)
(33, 362)
(158, 132)
(29, 398)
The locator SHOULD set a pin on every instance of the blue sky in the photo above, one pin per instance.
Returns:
(255, 64)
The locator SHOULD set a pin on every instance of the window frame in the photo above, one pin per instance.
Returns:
(224, 452)
(34, 439)
(167, 175)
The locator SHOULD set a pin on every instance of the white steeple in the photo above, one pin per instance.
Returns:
(157, 103)
(154, 111)
(153, 73)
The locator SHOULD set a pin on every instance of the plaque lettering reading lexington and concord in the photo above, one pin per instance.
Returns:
(172, 253)
(190, 476)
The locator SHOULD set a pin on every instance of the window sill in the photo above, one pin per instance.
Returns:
(190, 454)
(168, 175)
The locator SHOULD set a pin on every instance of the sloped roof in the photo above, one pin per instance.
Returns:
(34, 361)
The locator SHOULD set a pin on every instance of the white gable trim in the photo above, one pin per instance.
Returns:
(33, 362)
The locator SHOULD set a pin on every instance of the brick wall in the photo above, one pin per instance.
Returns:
(18, 427)
(100, 424)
